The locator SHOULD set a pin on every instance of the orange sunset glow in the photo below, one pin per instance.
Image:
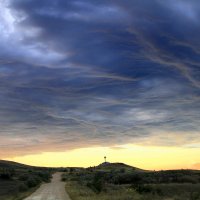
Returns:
(151, 158)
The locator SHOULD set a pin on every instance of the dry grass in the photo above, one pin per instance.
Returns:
(114, 192)
(20, 196)
(19, 181)
(81, 192)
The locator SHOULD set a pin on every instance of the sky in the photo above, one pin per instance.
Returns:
(81, 79)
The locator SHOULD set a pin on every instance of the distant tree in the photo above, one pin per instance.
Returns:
(71, 170)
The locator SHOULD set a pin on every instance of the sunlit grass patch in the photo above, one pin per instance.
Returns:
(81, 192)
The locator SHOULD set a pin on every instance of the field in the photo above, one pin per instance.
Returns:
(120, 182)
(79, 191)
(107, 181)
(18, 181)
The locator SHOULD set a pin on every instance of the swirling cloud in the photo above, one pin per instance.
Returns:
(98, 73)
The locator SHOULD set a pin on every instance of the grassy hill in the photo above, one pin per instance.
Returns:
(123, 182)
(118, 167)
(117, 181)
(11, 164)
(19, 180)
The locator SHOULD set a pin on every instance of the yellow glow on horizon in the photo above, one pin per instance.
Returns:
(145, 157)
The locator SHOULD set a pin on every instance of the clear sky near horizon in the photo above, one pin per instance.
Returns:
(81, 79)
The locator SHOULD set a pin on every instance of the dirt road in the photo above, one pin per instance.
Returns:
(51, 191)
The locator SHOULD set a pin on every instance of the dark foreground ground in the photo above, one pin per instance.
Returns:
(121, 182)
(108, 181)
(18, 181)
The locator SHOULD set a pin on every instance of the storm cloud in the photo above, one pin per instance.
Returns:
(98, 73)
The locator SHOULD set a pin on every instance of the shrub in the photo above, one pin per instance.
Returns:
(128, 178)
(142, 189)
(22, 187)
(71, 170)
(23, 177)
(5, 174)
(122, 170)
(44, 176)
(32, 182)
(194, 196)
(63, 179)
(98, 182)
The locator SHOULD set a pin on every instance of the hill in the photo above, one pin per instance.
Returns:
(18, 180)
(11, 164)
(106, 166)
(120, 181)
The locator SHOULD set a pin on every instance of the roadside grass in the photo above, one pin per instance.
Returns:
(81, 192)
(78, 191)
(18, 182)
(20, 196)
(118, 184)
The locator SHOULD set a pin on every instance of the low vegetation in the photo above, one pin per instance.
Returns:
(121, 182)
(104, 182)
(18, 181)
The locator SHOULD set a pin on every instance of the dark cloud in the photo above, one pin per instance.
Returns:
(87, 73)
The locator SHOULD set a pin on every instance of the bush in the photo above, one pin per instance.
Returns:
(71, 170)
(32, 182)
(23, 177)
(128, 178)
(188, 179)
(98, 182)
(194, 196)
(63, 179)
(142, 189)
(22, 187)
(122, 170)
(5, 174)
(45, 176)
